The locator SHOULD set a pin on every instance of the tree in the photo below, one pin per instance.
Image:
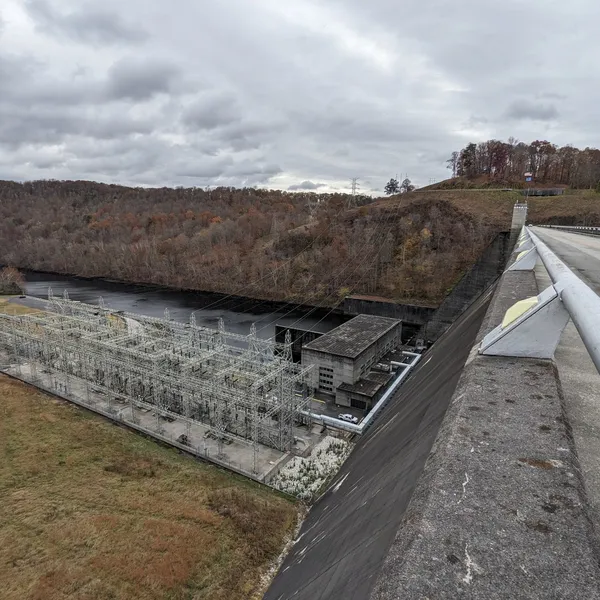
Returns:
(406, 186)
(548, 163)
(11, 281)
(452, 163)
(392, 187)
(467, 161)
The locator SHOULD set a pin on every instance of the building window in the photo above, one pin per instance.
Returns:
(325, 374)
(326, 379)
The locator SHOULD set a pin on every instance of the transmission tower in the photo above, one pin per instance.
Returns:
(355, 188)
(313, 204)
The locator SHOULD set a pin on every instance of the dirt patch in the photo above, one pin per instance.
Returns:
(538, 464)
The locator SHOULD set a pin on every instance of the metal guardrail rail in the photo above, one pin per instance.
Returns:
(533, 326)
(574, 229)
(582, 303)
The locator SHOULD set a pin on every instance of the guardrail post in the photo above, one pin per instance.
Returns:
(524, 245)
(526, 261)
(530, 328)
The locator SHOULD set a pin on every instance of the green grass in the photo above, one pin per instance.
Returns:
(89, 510)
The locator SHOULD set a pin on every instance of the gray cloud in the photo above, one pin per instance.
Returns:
(274, 93)
(306, 185)
(210, 111)
(551, 96)
(12, 70)
(206, 167)
(249, 168)
(525, 109)
(30, 125)
(85, 24)
(136, 80)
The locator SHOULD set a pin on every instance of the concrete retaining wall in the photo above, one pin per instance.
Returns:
(407, 313)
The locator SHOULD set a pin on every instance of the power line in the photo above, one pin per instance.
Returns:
(323, 305)
(387, 221)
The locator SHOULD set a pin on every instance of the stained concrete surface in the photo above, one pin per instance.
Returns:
(478, 278)
(347, 534)
(501, 510)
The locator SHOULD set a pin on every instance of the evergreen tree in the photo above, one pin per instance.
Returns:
(392, 187)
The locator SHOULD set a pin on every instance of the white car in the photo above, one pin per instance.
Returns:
(349, 418)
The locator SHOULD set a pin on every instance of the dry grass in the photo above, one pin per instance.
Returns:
(575, 207)
(10, 308)
(92, 511)
(494, 206)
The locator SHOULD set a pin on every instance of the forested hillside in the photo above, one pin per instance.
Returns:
(507, 162)
(259, 243)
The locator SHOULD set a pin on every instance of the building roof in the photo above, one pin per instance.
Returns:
(368, 386)
(353, 337)
(363, 387)
(379, 377)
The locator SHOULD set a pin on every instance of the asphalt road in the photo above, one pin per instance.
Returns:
(580, 252)
(347, 535)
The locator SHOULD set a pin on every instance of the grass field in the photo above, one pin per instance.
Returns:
(89, 510)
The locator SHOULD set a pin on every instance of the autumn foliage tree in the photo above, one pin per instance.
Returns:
(11, 281)
(251, 242)
(509, 161)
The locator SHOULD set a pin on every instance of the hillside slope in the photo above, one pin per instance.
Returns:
(262, 243)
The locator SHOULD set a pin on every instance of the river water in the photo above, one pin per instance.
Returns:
(151, 301)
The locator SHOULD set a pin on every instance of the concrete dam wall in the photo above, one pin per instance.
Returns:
(475, 281)
(348, 533)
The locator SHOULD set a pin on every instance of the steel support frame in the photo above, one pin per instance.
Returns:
(158, 360)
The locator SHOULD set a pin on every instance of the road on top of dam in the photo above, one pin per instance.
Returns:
(580, 252)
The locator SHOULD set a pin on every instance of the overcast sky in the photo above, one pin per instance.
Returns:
(293, 94)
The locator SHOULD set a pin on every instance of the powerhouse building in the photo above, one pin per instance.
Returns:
(343, 358)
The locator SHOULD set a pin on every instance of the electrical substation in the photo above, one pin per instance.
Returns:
(192, 384)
